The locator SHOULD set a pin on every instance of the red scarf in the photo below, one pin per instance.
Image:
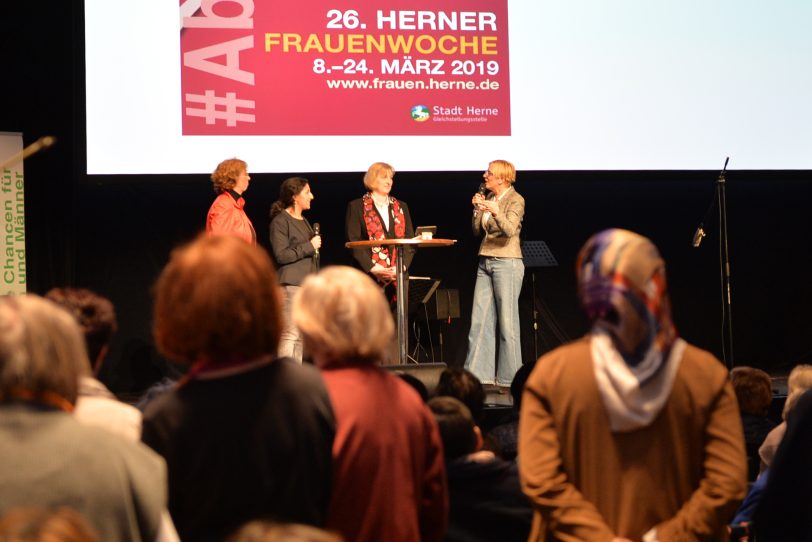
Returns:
(377, 232)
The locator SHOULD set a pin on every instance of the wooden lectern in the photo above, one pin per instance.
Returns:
(400, 274)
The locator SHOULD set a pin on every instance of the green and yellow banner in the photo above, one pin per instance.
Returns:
(12, 200)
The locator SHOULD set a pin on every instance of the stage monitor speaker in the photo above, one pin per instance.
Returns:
(444, 304)
(427, 373)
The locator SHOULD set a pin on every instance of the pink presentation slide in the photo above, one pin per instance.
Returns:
(427, 67)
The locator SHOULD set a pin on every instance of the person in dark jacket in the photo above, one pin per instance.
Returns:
(485, 498)
(295, 247)
(245, 435)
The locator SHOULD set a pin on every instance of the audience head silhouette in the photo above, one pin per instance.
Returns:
(217, 299)
(42, 352)
(343, 316)
(95, 315)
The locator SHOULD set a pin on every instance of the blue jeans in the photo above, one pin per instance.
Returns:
(496, 310)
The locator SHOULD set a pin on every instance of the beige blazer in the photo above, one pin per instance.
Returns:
(502, 231)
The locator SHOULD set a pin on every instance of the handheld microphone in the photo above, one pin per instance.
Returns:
(700, 233)
(317, 231)
(482, 191)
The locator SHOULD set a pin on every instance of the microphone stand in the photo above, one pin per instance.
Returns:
(727, 308)
(724, 261)
(38, 145)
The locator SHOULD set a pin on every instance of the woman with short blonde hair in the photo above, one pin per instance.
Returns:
(374, 171)
(377, 215)
(494, 349)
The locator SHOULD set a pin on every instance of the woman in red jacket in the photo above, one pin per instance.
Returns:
(226, 214)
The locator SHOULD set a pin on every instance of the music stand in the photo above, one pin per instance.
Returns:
(536, 254)
(420, 291)
(400, 273)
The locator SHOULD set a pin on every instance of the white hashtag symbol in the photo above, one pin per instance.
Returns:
(220, 108)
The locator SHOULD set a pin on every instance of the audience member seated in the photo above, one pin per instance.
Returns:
(388, 472)
(245, 435)
(36, 524)
(744, 515)
(504, 438)
(49, 457)
(268, 531)
(784, 512)
(486, 502)
(799, 380)
(462, 384)
(417, 384)
(630, 433)
(97, 320)
(754, 394)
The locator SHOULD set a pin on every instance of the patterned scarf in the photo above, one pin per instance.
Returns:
(635, 347)
(377, 232)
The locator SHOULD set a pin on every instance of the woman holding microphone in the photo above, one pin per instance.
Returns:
(295, 247)
(498, 217)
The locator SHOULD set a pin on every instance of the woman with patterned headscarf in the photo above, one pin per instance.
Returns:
(377, 215)
(629, 433)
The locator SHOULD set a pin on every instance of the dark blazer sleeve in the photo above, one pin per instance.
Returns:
(408, 252)
(282, 245)
(355, 230)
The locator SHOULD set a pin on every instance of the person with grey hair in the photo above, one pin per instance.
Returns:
(388, 471)
(51, 459)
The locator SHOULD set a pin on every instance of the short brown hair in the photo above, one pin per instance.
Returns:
(95, 315)
(225, 176)
(42, 350)
(456, 424)
(374, 170)
(342, 313)
(753, 390)
(217, 298)
(462, 384)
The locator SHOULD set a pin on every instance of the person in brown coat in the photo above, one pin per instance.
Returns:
(629, 433)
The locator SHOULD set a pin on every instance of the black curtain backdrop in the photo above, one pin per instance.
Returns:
(114, 234)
